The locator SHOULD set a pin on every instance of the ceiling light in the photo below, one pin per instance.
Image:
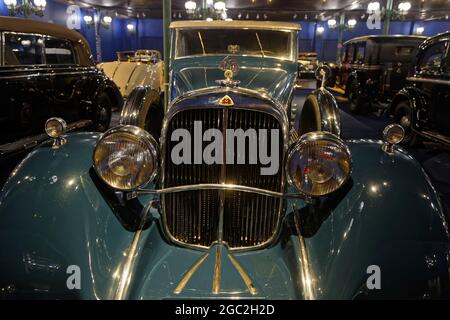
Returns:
(332, 23)
(320, 29)
(10, 3)
(87, 19)
(107, 19)
(420, 30)
(351, 23)
(220, 6)
(130, 27)
(190, 5)
(373, 6)
(40, 3)
(404, 7)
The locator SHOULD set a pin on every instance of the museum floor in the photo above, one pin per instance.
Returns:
(434, 159)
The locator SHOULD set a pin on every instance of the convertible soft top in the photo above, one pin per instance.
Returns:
(31, 26)
(238, 24)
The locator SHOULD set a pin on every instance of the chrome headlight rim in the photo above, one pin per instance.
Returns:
(142, 136)
(315, 136)
(61, 122)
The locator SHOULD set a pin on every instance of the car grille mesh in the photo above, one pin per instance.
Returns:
(192, 217)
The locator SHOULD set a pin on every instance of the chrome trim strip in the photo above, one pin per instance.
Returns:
(217, 269)
(214, 186)
(236, 24)
(306, 275)
(248, 282)
(436, 81)
(190, 273)
(125, 276)
(271, 107)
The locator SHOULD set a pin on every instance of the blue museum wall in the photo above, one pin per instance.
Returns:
(148, 32)
(147, 35)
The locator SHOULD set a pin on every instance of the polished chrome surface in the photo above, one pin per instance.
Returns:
(139, 136)
(192, 217)
(55, 128)
(239, 24)
(189, 274)
(428, 80)
(393, 134)
(318, 163)
(245, 277)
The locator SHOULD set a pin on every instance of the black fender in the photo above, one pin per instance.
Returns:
(111, 89)
(144, 108)
(417, 101)
(352, 77)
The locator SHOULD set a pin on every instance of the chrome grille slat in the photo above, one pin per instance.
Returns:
(192, 216)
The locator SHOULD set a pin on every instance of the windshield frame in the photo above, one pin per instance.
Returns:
(292, 55)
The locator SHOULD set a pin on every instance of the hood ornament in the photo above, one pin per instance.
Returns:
(230, 68)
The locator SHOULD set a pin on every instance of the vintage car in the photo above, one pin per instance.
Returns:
(307, 65)
(374, 68)
(423, 106)
(226, 197)
(47, 70)
(135, 68)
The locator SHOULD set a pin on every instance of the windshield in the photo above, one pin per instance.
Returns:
(265, 43)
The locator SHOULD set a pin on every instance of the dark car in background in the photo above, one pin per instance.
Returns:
(374, 68)
(307, 65)
(45, 71)
(423, 106)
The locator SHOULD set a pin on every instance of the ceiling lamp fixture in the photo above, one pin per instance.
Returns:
(373, 7)
(404, 7)
(332, 23)
(130, 28)
(106, 21)
(420, 30)
(88, 20)
(190, 7)
(220, 6)
(320, 29)
(26, 8)
(351, 23)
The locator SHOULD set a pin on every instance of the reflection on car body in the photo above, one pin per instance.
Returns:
(374, 68)
(47, 70)
(423, 106)
(149, 227)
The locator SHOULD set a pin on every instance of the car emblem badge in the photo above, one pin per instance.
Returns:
(226, 101)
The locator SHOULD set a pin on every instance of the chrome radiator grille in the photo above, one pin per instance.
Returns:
(192, 217)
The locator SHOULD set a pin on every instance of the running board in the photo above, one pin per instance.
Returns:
(433, 135)
(30, 142)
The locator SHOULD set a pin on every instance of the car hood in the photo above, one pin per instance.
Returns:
(270, 76)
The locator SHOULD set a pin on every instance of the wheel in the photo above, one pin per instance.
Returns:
(403, 115)
(355, 102)
(102, 112)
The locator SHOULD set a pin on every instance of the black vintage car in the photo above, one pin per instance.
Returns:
(47, 70)
(374, 68)
(423, 106)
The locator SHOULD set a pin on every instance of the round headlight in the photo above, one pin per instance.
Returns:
(55, 127)
(393, 134)
(318, 163)
(126, 157)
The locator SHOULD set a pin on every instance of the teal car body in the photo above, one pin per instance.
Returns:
(56, 213)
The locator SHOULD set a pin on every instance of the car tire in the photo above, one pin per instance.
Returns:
(102, 112)
(403, 114)
(355, 102)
